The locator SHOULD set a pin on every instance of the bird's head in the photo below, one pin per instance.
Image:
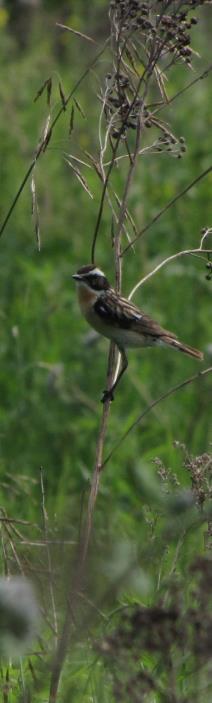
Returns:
(92, 280)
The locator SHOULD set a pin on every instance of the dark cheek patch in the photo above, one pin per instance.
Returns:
(98, 282)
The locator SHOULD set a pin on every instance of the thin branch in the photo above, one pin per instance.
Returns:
(168, 393)
(46, 542)
(98, 462)
(141, 152)
(76, 583)
(166, 207)
(13, 548)
(17, 521)
(74, 31)
(124, 206)
(49, 559)
(202, 75)
(164, 263)
(115, 149)
(101, 169)
(206, 232)
(99, 216)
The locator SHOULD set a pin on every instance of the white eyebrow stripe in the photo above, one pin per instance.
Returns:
(94, 272)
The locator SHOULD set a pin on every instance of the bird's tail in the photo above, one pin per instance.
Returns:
(172, 342)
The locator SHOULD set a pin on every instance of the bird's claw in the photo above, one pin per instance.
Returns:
(107, 395)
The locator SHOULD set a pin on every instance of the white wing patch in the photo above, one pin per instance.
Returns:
(103, 310)
(137, 315)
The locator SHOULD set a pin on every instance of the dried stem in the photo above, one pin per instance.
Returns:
(163, 263)
(203, 74)
(76, 583)
(49, 560)
(76, 32)
(123, 207)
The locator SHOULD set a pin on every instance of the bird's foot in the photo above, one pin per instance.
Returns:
(107, 395)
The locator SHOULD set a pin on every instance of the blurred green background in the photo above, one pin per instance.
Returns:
(52, 371)
(51, 375)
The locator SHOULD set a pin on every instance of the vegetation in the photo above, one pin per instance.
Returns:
(129, 546)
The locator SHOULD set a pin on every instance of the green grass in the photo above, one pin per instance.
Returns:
(52, 376)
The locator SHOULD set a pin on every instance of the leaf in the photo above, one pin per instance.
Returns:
(94, 163)
(47, 84)
(35, 213)
(79, 108)
(131, 61)
(49, 91)
(63, 100)
(47, 133)
(71, 124)
(79, 34)
(80, 177)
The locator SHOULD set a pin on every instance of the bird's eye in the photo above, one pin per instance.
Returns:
(95, 282)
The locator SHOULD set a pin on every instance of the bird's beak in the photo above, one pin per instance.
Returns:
(76, 276)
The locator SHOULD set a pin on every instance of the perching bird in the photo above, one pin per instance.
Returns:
(119, 320)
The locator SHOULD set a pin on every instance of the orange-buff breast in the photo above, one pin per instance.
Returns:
(87, 298)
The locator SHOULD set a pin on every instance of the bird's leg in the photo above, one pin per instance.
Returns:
(109, 395)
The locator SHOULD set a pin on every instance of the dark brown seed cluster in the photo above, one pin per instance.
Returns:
(204, 231)
(142, 630)
(135, 688)
(168, 143)
(209, 269)
(175, 30)
(170, 32)
(161, 631)
(144, 33)
(150, 629)
(122, 113)
(132, 14)
(120, 107)
(200, 617)
(200, 470)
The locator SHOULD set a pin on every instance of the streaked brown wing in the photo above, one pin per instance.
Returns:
(123, 314)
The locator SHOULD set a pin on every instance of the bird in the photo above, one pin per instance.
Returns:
(120, 320)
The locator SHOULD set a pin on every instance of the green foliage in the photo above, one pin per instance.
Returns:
(150, 524)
